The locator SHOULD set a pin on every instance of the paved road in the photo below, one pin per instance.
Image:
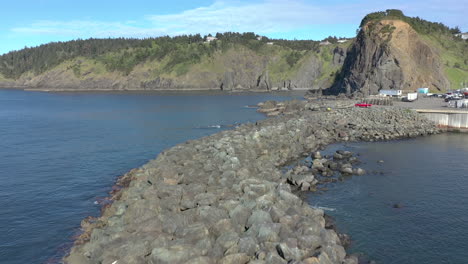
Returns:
(427, 103)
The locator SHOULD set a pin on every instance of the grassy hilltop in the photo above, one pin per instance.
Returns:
(393, 51)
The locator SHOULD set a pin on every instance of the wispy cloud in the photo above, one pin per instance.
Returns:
(264, 17)
(89, 28)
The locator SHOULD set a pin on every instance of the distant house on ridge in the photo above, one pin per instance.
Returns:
(210, 38)
(325, 43)
(462, 35)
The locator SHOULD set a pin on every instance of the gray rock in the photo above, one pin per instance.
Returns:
(203, 199)
(227, 240)
(199, 260)
(288, 253)
(274, 258)
(305, 186)
(240, 215)
(259, 217)
(351, 260)
(239, 258)
(268, 232)
(173, 254)
(248, 245)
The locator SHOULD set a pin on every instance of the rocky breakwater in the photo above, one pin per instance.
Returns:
(225, 199)
(274, 108)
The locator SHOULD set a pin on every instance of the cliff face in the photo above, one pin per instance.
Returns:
(389, 54)
(235, 69)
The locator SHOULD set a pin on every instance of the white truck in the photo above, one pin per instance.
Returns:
(391, 93)
(410, 97)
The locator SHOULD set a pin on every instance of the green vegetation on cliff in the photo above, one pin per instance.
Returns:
(124, 54)
(418, 24)
(393, 51)
(242, 60)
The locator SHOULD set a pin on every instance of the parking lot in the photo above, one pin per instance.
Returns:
(427, 103)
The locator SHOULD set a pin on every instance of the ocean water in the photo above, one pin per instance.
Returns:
(60, 153)
(428, 176)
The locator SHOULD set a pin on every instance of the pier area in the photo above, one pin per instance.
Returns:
(438, 111)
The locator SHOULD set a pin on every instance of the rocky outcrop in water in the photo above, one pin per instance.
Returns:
(389, 54)
(224, 199)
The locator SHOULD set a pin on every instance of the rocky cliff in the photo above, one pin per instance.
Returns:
(390, 54)
(238, 68)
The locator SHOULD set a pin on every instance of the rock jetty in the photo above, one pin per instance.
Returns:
(225, 199)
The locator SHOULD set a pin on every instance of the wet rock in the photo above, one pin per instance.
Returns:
(345, 240)
(317, 155)
(305, 186)
(344, 153)
(338, 156)
(359, 171)
(351, 260)
(346, 170)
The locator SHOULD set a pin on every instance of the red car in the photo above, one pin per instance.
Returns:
(363, 105)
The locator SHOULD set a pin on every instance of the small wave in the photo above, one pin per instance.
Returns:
(218, 126)
(209, 127)
(324, 208)
(250, 106)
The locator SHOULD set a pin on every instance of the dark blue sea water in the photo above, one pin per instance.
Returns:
(429, 177)
(60, 152)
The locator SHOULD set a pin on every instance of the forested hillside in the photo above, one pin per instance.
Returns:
(231, 60)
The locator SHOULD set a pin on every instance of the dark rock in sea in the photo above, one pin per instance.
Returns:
(345, 240)
(397, 205)
(329, 222)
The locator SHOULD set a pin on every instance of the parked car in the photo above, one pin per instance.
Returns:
(453, 97)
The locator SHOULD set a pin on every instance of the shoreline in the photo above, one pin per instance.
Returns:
(174, 90)
(204, 200)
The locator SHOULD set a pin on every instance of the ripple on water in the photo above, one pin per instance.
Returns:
(60, 152)
(428, 176)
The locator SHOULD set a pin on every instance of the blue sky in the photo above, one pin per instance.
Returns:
(34, 22)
